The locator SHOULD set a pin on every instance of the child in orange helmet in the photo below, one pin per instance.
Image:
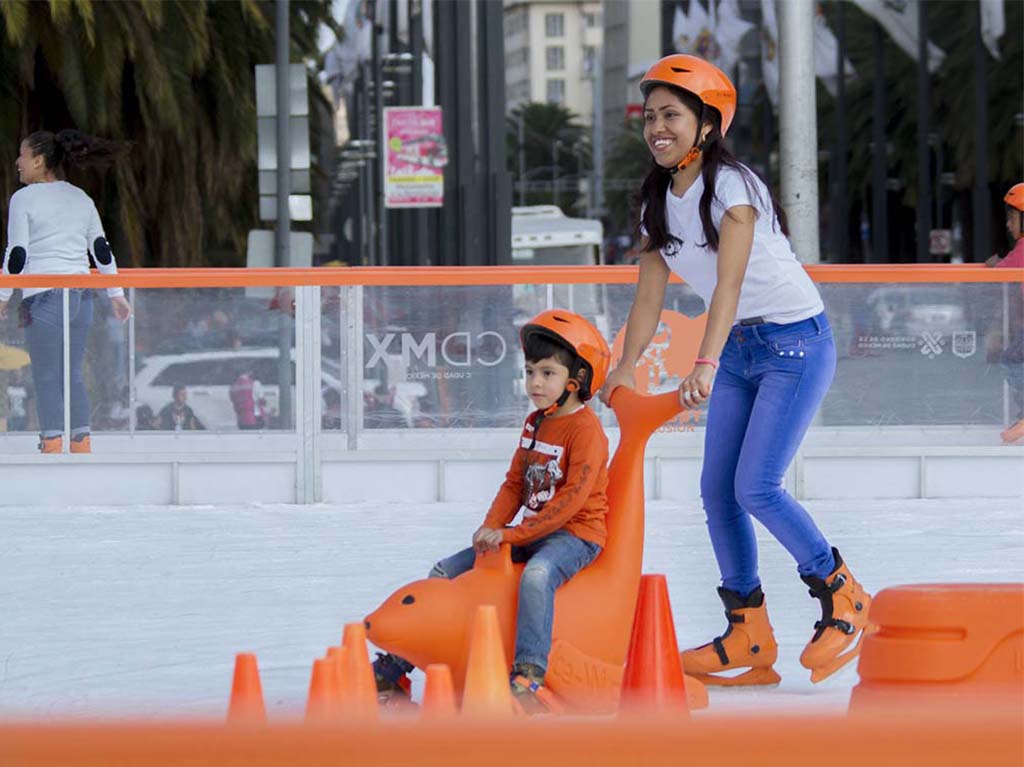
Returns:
(551, 507)
(1013, 353)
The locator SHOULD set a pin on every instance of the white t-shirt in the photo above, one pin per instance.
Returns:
(775, 285)
(56, 223)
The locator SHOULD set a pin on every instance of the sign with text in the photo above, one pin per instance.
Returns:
(415, 154)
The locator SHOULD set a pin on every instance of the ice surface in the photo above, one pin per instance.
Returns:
(138, 612)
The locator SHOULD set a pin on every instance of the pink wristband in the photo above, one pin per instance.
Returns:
(705, 361)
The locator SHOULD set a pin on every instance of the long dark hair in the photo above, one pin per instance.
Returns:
(70, 147)
(650, 200)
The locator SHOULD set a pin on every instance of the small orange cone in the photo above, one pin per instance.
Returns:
(322, 702)
(358, 686)
(246, 706)
(438, 693)
(654, 673)
(487, 691)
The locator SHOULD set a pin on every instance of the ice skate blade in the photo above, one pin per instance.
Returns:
(755, 677)
(825, 670)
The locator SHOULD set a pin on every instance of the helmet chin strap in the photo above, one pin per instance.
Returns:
(695, 150)
(571, 386)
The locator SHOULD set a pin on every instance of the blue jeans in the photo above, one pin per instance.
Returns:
(770, 382)
(550, 562)
(42, 315)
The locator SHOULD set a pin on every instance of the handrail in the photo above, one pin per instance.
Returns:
(479, 275)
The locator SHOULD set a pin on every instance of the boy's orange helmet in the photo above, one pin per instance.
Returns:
(1015, 197)
(697, 76)
(580, 336)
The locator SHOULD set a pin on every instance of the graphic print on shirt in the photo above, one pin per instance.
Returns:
(539, 482)
(541, 474)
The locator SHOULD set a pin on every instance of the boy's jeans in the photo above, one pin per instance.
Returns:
(770, 382)
(42, 315)
(550, 562)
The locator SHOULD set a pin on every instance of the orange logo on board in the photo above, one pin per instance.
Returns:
(668, 359)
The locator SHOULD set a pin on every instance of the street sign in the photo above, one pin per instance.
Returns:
(415, 154)
(940, 242)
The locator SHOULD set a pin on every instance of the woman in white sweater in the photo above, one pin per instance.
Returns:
(52, 228)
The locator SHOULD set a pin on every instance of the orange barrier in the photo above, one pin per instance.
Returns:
(428, 621)
(962, 642)
(988, 737)
(479, 275)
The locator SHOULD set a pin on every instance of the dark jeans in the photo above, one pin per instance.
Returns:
(43, 318)
(770, 382)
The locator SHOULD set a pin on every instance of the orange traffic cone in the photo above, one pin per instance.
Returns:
(654, 674)
(337, 654)
(487, 691)
(358, 686)
(438, 693)
(322, 702)
(246, 706)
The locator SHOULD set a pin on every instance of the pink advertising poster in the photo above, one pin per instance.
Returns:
(415, 154)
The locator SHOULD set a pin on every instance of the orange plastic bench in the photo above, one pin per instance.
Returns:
(936, 642)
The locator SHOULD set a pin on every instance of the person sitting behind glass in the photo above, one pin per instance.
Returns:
(177, 415)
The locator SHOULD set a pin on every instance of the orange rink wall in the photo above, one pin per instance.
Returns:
(969, 734)
(481, 275)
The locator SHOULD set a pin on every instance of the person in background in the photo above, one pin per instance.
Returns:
(247, 399)
(52, 228)
(1012, 355)
(177, 415)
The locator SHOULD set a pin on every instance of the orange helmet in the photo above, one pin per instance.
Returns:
(695, 75)
(579, 336)
(1015, 197)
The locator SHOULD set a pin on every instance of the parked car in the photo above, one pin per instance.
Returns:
(208, 377)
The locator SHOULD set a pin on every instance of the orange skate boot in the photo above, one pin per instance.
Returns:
(844, 618)
(81, 444)
(748, 643)
(1014, 434)
(51, 444)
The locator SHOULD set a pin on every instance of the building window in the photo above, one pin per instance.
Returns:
(589, 59)
(556, 91)
(554, 24)
(592, 19)
(556, 57)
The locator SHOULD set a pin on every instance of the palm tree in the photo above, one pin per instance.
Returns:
(176, 78)
(543, 126)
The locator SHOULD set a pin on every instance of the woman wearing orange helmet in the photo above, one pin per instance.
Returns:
(1013, 354)
(765, 363)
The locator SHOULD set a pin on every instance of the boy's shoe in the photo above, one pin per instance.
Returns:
(529, 692)
(748, 643)
(844, 618)
(51, 444)
(392, 677)
(1014, 434)
(81, 444)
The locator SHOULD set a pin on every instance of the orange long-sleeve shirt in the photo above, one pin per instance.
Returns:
(560, 483)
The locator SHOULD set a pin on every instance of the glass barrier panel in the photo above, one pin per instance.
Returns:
(922, 354)
(445, 357)
(18, 411)
(211, 359)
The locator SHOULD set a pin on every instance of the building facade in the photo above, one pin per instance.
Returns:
(552, 49)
